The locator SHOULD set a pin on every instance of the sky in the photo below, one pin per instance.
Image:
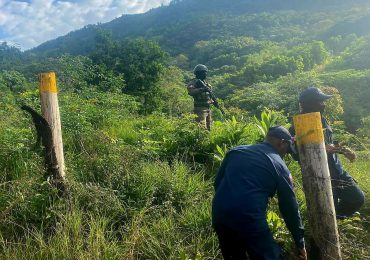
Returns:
(26, 24)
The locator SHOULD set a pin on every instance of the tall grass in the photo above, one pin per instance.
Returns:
(139, 187)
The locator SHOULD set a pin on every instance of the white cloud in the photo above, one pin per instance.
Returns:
(32, 22)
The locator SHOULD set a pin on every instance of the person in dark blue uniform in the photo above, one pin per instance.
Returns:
(248, 177)
(348, 197)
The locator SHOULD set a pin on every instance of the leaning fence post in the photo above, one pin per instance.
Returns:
(317, 185)
(50, 111)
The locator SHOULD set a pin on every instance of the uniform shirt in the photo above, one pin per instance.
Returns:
(248, 177)
(201, 99)
(335, 166)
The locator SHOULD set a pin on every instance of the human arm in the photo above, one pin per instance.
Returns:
(347, 152)
(337, 148)
(194, 89)
(214, 100)
(331, 148)
(289, 209)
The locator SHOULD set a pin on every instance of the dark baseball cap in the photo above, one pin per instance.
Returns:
(279, 132)
(313, 94)
(283, 134)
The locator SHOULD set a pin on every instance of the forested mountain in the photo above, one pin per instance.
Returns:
(140, 170)
(248, 42)
(183, 23)
(250, 46)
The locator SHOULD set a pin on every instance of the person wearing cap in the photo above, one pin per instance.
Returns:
(198, 88)
(347, 195)
(249, 175)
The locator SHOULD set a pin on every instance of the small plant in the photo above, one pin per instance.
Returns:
(231, 132)
(274, 222)
(268, 120)
(221, 152)
(235, 130)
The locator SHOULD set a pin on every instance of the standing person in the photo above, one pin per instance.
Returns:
(248, 177)
(199, 89)
(348, 197)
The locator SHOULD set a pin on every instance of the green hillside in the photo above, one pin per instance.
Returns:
(140, 170)
(248, 42)
(183, 23)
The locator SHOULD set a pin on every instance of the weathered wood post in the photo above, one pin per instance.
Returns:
(50, 111)
(317, 185)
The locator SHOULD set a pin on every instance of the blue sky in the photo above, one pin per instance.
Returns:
(28, 23)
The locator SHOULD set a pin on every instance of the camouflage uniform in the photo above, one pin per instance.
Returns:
(202, 103)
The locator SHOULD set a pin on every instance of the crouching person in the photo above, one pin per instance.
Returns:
(348, 196)
(248, 177)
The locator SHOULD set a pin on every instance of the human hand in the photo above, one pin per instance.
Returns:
(302, 254)
(348, 153)
(207, 89)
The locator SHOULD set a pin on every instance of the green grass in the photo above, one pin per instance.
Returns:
(355, 232)
(139, 188)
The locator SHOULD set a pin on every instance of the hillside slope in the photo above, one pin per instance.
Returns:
(183, 23)
(245, 43)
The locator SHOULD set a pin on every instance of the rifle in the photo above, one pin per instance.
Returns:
(213, 97)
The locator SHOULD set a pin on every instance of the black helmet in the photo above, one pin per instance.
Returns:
(200, 67)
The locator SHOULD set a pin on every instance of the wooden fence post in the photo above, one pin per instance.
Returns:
(317, 185)
(50, 111)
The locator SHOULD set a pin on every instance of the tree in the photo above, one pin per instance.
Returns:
(174, 98)
(334, 106)
(141, 63)
(9, 56)
(13, 80)
(104, 49)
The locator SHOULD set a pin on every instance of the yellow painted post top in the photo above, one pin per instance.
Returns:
(308, 128)
(47, 82)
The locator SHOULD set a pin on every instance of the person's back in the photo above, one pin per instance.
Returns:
(242, 197)
(248, 177)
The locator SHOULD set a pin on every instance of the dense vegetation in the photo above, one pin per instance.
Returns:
(140, 171)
